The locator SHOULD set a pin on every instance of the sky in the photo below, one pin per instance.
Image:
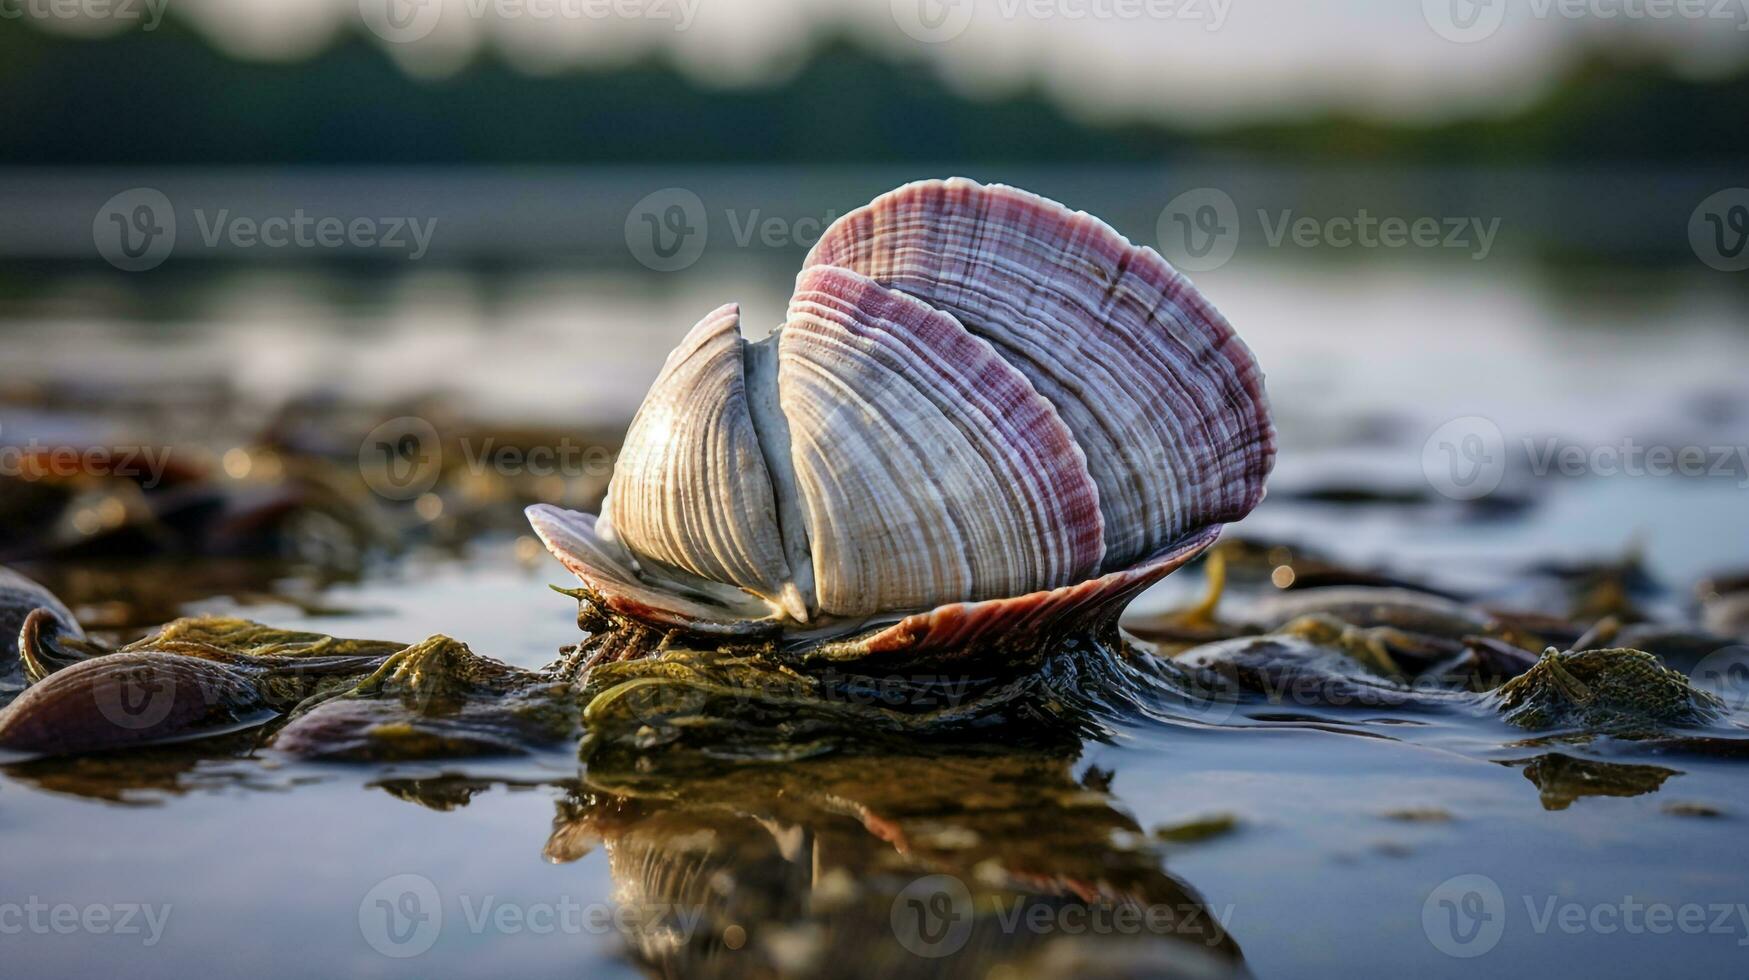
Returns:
(1227, 59)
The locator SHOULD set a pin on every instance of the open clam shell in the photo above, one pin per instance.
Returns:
(985, 417)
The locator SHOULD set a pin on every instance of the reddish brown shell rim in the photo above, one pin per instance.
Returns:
(966, 626)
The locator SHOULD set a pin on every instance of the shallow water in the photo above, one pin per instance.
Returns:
(1352, 832)
(1347, 825)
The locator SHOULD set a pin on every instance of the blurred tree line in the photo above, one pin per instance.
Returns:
(168, 97)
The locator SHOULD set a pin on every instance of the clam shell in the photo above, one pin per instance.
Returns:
(986, 417)
(20, 597)
(1161, 395)
(129, 699)
(928, 470)
(691, 491)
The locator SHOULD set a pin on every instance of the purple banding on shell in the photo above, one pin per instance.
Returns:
(928, 469)
(1162, 396)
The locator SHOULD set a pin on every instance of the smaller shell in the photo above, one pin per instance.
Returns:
(691, 492)
(19, 598)
(609, 571)
(96, 705)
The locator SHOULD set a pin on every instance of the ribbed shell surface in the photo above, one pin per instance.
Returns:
(1164, 400)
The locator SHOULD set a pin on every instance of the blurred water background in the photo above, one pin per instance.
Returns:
(588, 188)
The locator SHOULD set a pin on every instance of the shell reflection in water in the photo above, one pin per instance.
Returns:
(1000, 861)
